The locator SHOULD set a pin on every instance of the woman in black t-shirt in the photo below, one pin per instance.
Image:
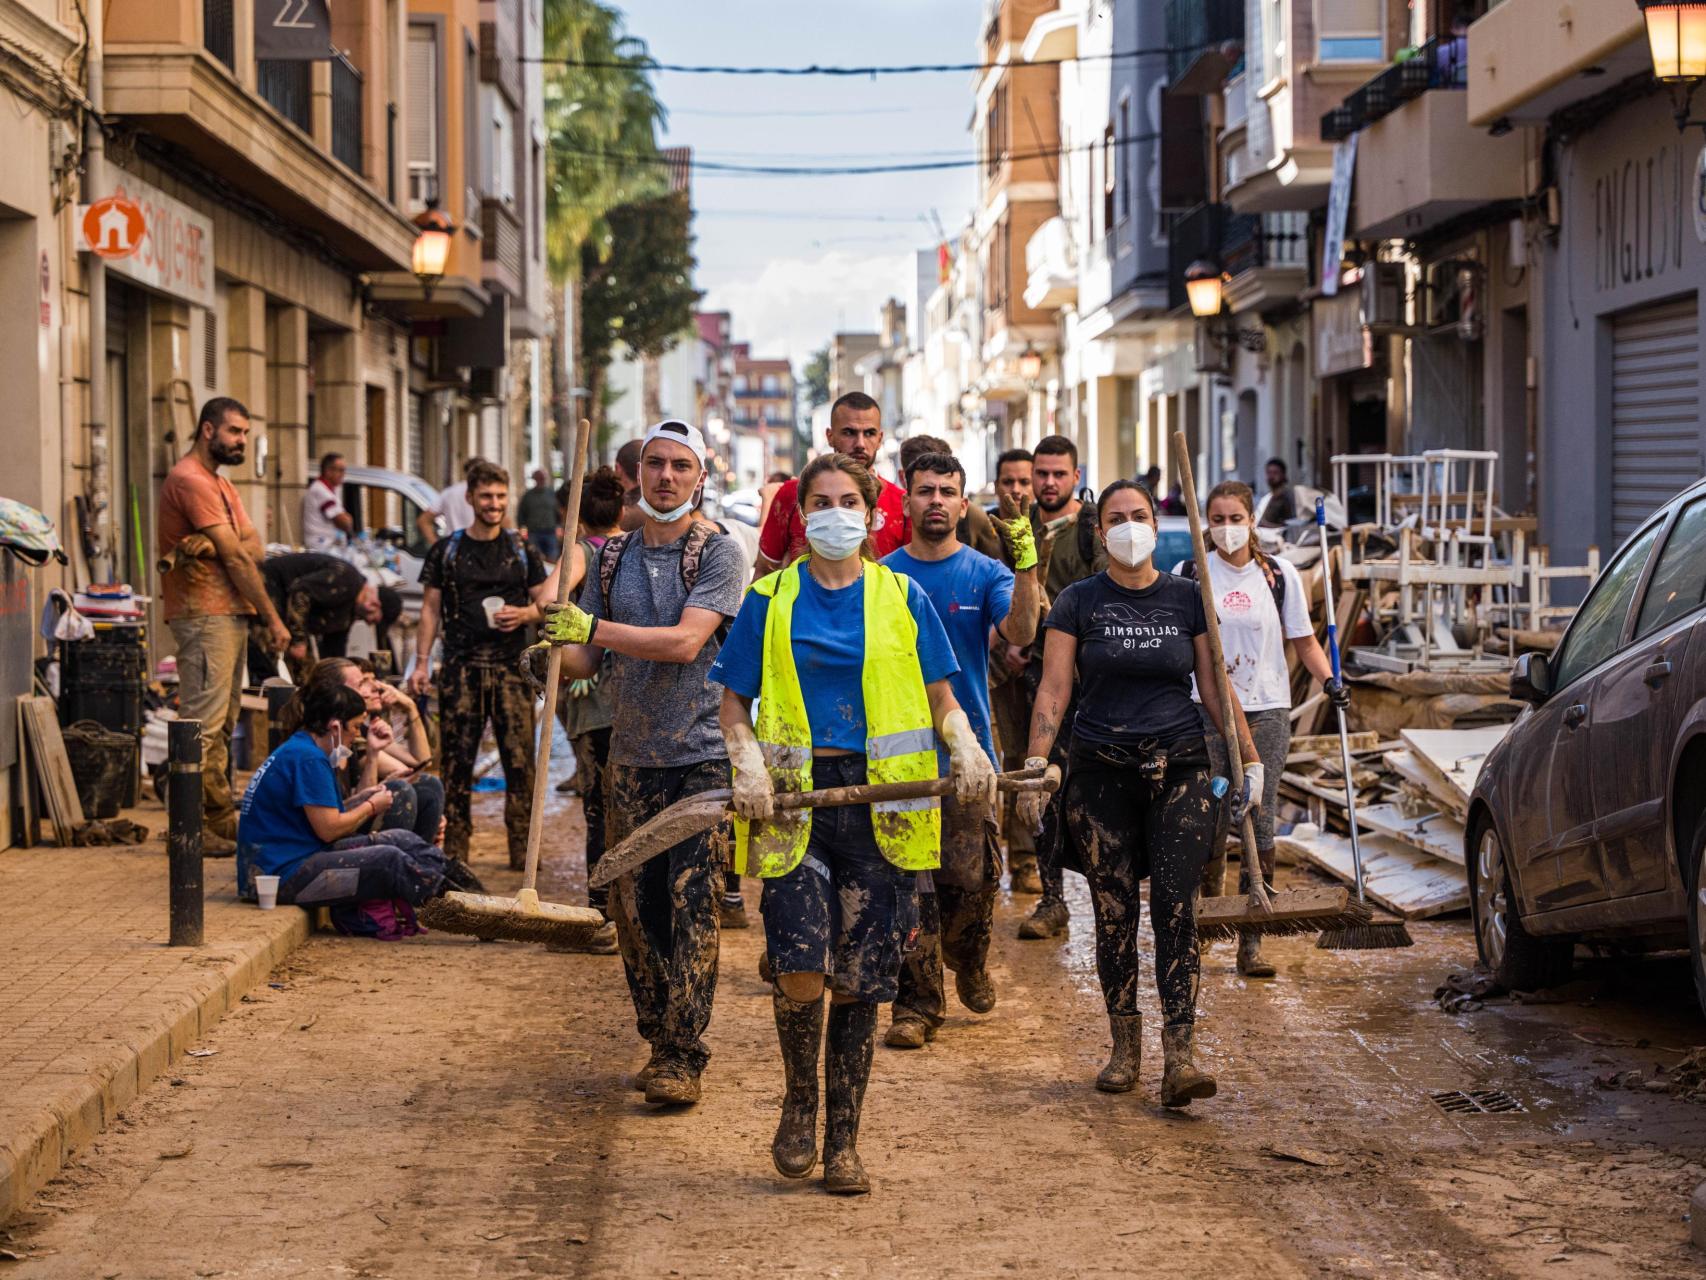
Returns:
(1139, 800)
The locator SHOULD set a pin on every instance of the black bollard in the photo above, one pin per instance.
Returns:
(183, 830)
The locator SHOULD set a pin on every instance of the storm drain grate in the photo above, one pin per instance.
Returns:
(1476, 1102)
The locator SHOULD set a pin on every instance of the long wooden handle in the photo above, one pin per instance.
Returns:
(876, 792)
(1228, 698)
(554, 670)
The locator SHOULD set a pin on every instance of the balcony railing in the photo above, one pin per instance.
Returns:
(219, 30)
(347, 92)
(500, 238)
(1264, 240)
(1199, 36)
(1438, 64)
(287, 86)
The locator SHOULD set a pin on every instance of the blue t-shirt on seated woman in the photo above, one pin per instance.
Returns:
(273, 835)
(829, 653)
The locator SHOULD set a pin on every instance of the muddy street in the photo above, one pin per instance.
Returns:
(452, 1109)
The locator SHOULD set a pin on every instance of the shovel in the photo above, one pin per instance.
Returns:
(689, 816)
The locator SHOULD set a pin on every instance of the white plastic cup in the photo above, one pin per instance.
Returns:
(266, 890)
(491, 604)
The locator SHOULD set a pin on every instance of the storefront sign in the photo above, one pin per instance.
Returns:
(1641, 207)
(1341, 342)
(293, 30)
(173, 254)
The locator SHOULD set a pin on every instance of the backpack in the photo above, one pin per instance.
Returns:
(692, 556)
(1189, 570)
(516, 544)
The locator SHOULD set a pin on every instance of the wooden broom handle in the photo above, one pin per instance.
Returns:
(554, 669)
(1228, 699)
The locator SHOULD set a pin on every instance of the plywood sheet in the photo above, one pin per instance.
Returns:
(1454, 756)
(1438, 835)
(1403, 880)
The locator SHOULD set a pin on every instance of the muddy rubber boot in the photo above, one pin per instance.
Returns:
(1181, 1082)
(852, 1040)
(799, 1030)
(1120, 1075)
(1049, 919)
(1023, 876)
(1250, 962)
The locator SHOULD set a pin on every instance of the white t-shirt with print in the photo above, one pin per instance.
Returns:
(320, 506)
(1252, 634)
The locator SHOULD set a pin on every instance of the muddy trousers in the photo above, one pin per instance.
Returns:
(1124, 830)
(1271, 731)
(469, 696)
(666, 911)
(592, 754)
(955, 918)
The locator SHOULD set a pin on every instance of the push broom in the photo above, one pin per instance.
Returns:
(1259, 912)
(524, 918)
(1370, 934)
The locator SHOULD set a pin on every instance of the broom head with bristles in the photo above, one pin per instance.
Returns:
(1369, 935)
(1293, 912)
(520, 919)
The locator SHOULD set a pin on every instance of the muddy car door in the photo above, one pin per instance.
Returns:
(1588, 651)
(1638, 708)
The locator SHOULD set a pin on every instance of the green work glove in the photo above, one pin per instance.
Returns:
(1021, 542)
(569, 624)
(580, 688)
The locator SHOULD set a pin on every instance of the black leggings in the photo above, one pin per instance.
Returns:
(1123, 831)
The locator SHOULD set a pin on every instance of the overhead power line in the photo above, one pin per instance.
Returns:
(820, 171)
(894, 69)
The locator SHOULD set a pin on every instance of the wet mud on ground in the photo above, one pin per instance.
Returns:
(445, 1108)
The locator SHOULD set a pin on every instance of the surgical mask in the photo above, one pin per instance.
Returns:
(836, 532)
(1230, 538)
(1131, 543)
(671, 516)
(339, 755)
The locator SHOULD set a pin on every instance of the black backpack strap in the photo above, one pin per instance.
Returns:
(1087, 532)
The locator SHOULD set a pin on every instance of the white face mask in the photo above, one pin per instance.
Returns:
(339, 755)
(1230, 538)
(836, 532)
(1131, 543)
(669, 517)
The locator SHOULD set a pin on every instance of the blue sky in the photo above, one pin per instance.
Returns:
(796, 258)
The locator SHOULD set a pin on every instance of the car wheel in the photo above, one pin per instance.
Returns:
(1697, 913)
(1518, 960)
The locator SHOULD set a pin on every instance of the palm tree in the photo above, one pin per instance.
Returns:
(601, 123)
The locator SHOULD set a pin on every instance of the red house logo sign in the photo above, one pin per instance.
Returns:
(114, 227)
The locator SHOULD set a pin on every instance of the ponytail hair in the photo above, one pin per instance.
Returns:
(1242, 494)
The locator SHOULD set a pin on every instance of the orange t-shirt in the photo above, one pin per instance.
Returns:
(194, 498)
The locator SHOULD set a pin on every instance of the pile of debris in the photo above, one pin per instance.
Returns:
(1685, 1080)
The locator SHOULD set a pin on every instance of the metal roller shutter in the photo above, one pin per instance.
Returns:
(1655, 409)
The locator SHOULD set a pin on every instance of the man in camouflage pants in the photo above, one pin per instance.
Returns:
(481, 681)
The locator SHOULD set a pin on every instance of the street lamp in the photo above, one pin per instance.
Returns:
(1676, 38)
(1204, 288)
(1031, 366)
(432, 246)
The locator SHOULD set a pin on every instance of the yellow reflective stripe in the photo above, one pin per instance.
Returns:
(907, 806)
(906, 742)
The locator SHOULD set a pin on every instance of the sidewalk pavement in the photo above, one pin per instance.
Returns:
(93, 1003)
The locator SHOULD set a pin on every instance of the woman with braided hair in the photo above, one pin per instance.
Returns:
(1263, 608)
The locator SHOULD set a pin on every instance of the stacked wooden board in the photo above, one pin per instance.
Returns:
(1412, 800)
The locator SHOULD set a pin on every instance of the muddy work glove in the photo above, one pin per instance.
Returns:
(1249, 798)
(569, 624)
(1028, 806)
(973, 775)
(755, 794)
(1337, 694)
(1014, 526)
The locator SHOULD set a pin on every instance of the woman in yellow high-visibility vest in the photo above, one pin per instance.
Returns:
(850, 665)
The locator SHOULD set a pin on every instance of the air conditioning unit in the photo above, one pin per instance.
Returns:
(1383, 295)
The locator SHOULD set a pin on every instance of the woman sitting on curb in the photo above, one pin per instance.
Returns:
(294, 825)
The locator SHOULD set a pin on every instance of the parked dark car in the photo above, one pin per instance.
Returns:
(1586, 821)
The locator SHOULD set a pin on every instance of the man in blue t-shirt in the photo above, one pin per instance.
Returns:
(981, 602)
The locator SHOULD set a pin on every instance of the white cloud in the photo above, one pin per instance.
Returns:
(794, 305)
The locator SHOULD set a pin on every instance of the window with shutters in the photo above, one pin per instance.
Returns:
(1110, 177)
(210, 349)
(1122, 149)
(424, 106)
(500, 163)
(1350, 30)
(471, 170)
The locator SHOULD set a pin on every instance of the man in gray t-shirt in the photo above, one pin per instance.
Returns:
(664, 743)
